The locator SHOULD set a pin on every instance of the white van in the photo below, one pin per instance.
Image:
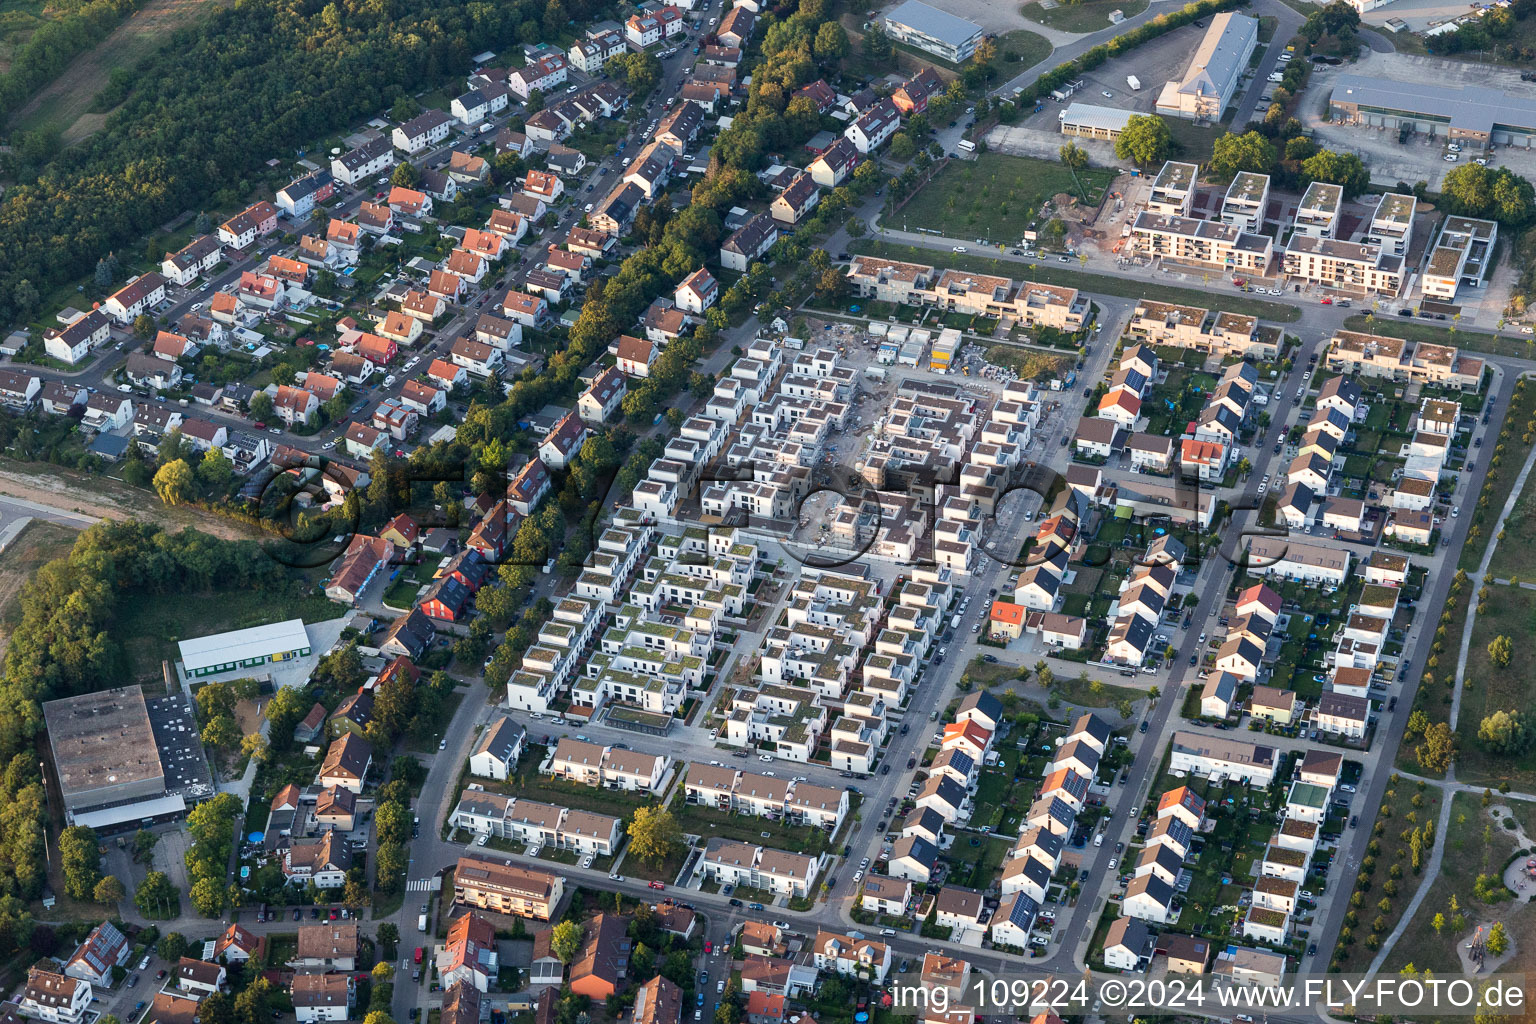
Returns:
(967, 145)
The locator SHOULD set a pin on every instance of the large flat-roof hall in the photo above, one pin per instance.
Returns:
(104, 748)
(243, 648)
(1214, 71)
(937, 32)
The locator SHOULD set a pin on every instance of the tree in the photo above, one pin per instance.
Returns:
(1146, 140)
(654, 834)
(109, 890)
(80, 858)
(1501, 650)
(1498, 193)
(1073, 156)
(155, 896)
(216, 1008)
(253, 1004)
(1343, 169)
(1438, 924)
(106, 271)
(143, 326)
(831, 43)
(254, 746)
(877, 45)
(261, 407)
(172, 946)
(382, 971)
(405, 175)
(985, 54)
(26, 298)
(174, 482)
(1438, 748)
(565, 941)
(215, 471)
(221, 732)
(1498, 939)
(1231, 154)
(207, 895)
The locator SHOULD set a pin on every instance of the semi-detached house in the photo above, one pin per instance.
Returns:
(422, 131)
(198, 256)
(255, 221)
(544, 74)
(874, 126)
(139, 295)
(74, 342)
(373, 157)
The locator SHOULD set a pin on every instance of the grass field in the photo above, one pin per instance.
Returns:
(64, 104)
(1393, 849)
(1473, 846)
(1486, 688)
(1510, 447)
(1049, 273)
(1088, 16)
(995, 196)
(1516, 553)
(39, 543)
(151, 629)
(1024, 47)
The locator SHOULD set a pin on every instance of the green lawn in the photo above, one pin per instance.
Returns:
(1058, 274)
(1356, 955)
(1026, 48)
(1473, 846)
(994, 196)
(1088, 16)
(1511, 448)
(977, 859)
(1516, 553)
(1487, 688)
(151, 629)
(708, 823)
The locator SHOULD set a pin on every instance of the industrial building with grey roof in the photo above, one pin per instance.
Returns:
(1472, 113)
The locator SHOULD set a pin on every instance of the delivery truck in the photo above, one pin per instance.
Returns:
(1133, 82)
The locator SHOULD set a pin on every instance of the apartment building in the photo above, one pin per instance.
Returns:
(536, 824)
(1201, 243)
(1358, 267)
(1375, 355)
(788, 874)
(1461, 256)
(1317, 216)
(963, 292)
(1246, 199)
(506, 888)
(1210, 331)
(1391, 225)
(1173, 190)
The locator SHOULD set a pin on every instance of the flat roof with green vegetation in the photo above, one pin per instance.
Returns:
(1053, 273)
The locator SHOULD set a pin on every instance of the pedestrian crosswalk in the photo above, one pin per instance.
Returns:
(432, 884)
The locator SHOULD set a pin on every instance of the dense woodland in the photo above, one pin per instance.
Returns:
(74, 29)
(258, 80)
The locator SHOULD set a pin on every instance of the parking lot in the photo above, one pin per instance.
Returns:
(1153, 64)
(1422, 157)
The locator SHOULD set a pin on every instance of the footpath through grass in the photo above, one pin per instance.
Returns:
(1474, 845)
(1087, 280)
(1508, 452)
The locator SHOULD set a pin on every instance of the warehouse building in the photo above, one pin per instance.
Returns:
(244, 648)
(934, 31)
(1471, 115)
(1214, 72)
(1088, 121)
(122, 760)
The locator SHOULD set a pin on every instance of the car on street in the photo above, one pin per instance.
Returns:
(958, 248)
(657, 885)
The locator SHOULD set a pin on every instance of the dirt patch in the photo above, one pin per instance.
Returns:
(110, 499)
(64, 102)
